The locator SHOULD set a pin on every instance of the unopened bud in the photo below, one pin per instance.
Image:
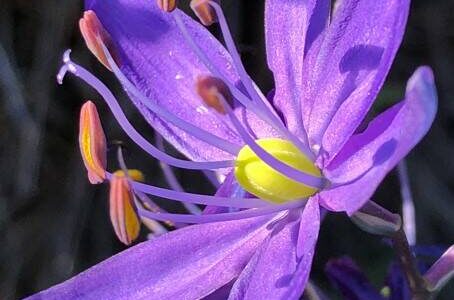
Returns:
(204, 11)
(123, 215)
(441, 271)
(95, 35)
(92, 143)
(167, 5)
(374, 219)
(210, 89)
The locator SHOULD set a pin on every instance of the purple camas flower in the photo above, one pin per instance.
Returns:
(262, 225)
(350, 280)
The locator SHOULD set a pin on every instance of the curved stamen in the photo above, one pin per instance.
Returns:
(244, 214)
(244, 76)
(249, 83)
(172, 179)
(263, 110)
(150, 205)
(212, 178)
(192, 208)
(195, 131)
(242, 98)
(284, 169)
(126, 125)
(196, 198)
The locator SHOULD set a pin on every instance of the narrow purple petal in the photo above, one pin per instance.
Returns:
(286, 29)
(317, 30)
(368, 156)
(353, 61)
(348, 278)
(188, 263)
(156, 58)
(281, 267)
(305, 249)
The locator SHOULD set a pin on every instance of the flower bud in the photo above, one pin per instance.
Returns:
(95, 35)
(204, 11)
(92, 143)
(123, 215)
(210, 89)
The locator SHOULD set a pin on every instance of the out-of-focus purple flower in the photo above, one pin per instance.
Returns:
(198, 96)
(441, 271)
(396, 284)
(348, 278)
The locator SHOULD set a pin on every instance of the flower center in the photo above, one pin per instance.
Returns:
(261, 180)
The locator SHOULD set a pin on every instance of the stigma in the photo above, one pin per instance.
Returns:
(261, 180)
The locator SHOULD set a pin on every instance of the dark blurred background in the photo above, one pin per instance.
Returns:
(53, 224)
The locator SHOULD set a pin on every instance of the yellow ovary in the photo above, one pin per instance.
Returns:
(259, 179)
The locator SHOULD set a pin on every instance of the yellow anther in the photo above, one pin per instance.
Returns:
(259, 179)
(94, 34)
(92, 143)
(204, 11)
(134, 174)
(210, 89)
(123, 215)
(167, 5)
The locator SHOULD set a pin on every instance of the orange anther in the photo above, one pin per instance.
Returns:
(204, 11)
(123, 215)
(210, 89)
(95, 35)
(92, 143)
(167, 5)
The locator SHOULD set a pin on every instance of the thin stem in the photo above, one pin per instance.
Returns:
(417, 284)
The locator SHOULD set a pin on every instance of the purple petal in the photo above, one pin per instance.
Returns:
(348, 278)
(305, 249)
(277, 271)
(356, 54)
(286, 28)
(188, 263)
(368, 156)
(156, 58)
